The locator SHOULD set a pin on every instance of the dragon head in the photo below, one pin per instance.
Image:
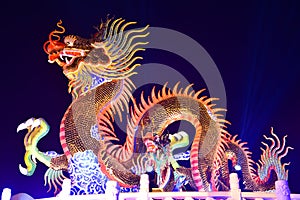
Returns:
(108, 55)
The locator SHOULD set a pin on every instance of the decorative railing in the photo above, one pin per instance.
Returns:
(282, 192)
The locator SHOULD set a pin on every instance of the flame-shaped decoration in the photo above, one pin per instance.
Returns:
(54, 44)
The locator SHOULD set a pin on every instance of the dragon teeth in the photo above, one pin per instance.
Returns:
(67, 61)
(65, 58)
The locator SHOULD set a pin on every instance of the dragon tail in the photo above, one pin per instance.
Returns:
(269, 169)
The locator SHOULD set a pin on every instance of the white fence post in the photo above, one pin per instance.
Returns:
(6, 194)
(282, 190)
(144, 187)
(112, 190)
(66, 188)
(234, 187)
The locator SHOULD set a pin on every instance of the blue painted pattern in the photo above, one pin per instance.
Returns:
(86, 176)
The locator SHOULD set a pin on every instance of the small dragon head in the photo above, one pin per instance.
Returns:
(160, 150)
(107, 55)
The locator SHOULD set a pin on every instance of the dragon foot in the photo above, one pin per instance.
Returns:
(36, 129)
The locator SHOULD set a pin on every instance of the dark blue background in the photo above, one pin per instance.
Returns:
(255, 45)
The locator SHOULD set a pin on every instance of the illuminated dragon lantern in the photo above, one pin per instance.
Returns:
(98, 70)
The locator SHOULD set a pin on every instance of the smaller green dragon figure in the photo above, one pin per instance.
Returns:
(160, 150)
(99, 71)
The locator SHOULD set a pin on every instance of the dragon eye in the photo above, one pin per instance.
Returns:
(69, 40)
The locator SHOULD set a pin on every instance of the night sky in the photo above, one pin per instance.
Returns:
(255, 45)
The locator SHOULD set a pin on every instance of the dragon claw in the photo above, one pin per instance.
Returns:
(36, 123)
(26, 124)
(33, 159)
(23, 170)
(21, 127)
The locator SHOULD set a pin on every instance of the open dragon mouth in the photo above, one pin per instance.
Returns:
(164, 177)
(68, 59)
(68, 56)
(158, 158)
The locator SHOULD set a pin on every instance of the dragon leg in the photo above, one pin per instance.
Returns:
(36, 130)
